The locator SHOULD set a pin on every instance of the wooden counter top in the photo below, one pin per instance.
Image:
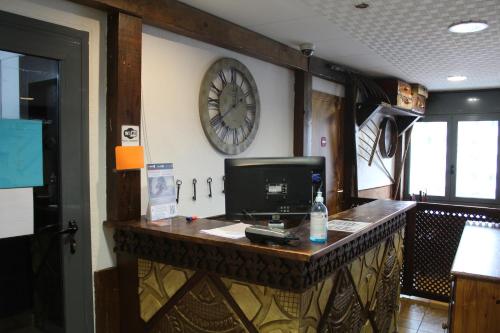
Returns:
(376, 213)
(478, 254)
(295, 268)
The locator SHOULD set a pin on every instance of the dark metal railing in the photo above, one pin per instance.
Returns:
(432, 236)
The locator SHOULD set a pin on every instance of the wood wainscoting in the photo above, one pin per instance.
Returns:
(107, 301)
(382, 192)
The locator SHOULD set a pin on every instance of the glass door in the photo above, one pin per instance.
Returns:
(29, 91)
(46, 79)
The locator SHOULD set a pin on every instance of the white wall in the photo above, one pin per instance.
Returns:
(371, 176)
(328, 87)
(94, 22)
(173, 67)
(172, 70)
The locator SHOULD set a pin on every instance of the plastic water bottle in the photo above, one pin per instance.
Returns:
(319, 220)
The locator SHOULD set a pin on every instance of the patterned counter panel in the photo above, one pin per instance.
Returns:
(258, 268)
(360, 296)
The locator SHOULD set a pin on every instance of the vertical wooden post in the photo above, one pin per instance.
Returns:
(302, 120)
(107, 301)
(123, 108)
(128, 281)
(349, 142)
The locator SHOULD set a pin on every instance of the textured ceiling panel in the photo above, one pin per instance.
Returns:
(413, 37)
(403, 38)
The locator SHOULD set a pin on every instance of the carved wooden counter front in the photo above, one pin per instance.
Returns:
(176, 279)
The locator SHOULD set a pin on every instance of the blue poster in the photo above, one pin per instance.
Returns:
(21, 159)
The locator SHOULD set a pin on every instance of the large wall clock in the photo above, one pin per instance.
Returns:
(229, 106)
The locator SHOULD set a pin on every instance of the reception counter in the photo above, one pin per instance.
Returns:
(173, 278)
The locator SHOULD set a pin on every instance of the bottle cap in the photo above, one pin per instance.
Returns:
(319, 197)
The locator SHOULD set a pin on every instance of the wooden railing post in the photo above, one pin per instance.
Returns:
(409, 252)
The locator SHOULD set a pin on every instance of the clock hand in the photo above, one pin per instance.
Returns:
(234, 95)
(227, 112)
(230, 110)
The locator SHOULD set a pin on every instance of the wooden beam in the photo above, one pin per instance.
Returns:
(322, 68)
(350, 150)
(123, 108)
(302, 114)
(188, 21)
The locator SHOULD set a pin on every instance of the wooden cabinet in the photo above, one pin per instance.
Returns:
(419, 95)
(475, 306)
(398, 92)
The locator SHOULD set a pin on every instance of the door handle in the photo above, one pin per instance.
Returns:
(452, 169)
(70, 231)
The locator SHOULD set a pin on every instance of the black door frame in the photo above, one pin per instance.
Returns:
(24, 35)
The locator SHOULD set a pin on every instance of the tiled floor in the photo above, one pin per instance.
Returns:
(418, 315)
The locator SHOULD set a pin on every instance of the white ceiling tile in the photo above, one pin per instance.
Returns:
(341, 46)
(413, 37)
(295, 31)
(249, 13)
(404, 38)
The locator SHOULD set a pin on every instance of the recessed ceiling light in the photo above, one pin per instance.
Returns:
(457, 78)
(465, 27)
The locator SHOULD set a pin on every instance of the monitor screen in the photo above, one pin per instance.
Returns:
(269, 186)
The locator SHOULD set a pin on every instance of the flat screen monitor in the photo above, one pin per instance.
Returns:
(262, 187)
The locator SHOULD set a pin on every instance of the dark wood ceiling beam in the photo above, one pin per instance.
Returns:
(322, 68)
(188, 21)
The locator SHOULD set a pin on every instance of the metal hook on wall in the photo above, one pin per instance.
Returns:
(178, 183)
(209, 182)
(194, 188)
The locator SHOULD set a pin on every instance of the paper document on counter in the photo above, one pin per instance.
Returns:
(233, 231)
(16, 212)
(346, 226)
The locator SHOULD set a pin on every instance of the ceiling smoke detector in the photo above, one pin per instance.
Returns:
(465, 27)
(362, 5)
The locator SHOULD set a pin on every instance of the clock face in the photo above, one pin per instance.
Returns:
(229, 106)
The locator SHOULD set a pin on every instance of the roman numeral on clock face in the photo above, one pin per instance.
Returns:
(233, 75)
(236, 139)
(216, 120)
(213, 103)
(251, 107)
(215, 89)
(224, 133)
(248, 123)
(222, 77)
